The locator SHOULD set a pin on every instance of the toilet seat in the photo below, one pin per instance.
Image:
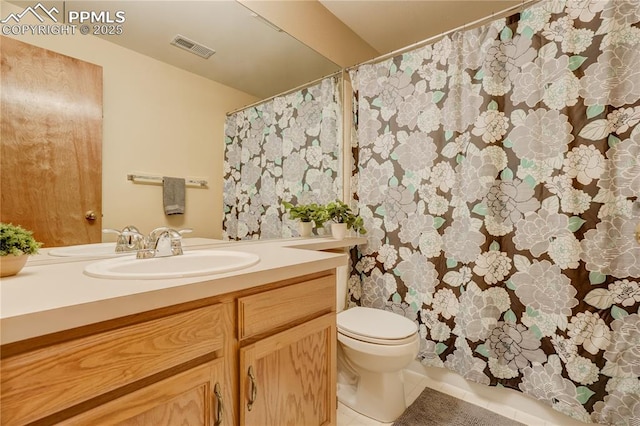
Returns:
(376, 326)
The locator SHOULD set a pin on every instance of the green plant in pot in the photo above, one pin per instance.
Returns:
(16, 244)
(309, 215)
(343, 218)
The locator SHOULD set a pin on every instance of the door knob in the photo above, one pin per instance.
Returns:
(90, 215)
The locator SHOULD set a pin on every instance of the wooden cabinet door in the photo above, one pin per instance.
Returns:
(189, 398)
(50, 144)
(293, 376)
(44, 381)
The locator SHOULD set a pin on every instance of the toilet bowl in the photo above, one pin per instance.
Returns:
(374, 346)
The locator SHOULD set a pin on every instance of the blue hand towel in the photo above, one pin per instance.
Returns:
(173, 190)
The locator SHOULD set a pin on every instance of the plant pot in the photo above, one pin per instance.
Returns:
(11, 265)
(305, 228)
(339, 230)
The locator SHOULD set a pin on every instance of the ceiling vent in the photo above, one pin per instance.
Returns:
(193, 47)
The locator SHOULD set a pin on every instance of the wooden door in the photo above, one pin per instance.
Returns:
(292, 379)
(190, 398)
(51, 144)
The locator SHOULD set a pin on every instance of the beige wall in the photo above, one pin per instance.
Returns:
(160, 120)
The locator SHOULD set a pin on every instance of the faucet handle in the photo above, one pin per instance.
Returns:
(127, 230)
(132, 229)
(111, 231)
(129, 239)
(153, 235)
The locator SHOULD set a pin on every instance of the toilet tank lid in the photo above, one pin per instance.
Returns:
(376, 323)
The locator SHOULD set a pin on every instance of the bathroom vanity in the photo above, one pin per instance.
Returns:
(255, 346)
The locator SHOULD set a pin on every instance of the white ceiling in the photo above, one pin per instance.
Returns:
(255, 58)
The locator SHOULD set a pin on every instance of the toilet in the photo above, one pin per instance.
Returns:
(374, 346)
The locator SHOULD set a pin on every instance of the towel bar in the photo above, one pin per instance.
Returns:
(201, 183)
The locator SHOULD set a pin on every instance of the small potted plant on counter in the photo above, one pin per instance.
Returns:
(16, 244)
(307, 214)
(343, 219)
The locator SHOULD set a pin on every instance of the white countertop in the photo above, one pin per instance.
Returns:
(53, 294)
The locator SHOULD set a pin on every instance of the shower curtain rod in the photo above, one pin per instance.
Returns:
(503, 13)
(302, 86)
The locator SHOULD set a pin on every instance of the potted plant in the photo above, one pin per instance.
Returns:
(343, 219)
(307, 214)
(16, 244)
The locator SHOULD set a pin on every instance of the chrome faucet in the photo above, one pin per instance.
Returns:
(163, 242)
(129, 239)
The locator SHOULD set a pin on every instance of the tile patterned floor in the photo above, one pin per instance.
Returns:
(415, 384)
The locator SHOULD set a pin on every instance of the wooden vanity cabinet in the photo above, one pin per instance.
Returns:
(186, 364)
(193, 397)
(130, 363)
(287, 378)
(288, 355)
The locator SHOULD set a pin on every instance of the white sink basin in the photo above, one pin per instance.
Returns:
(190, 264)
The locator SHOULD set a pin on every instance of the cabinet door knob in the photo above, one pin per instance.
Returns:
(254, 389)
(220, 411)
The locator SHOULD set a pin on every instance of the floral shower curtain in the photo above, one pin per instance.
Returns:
(497, 172)
(286, 149)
